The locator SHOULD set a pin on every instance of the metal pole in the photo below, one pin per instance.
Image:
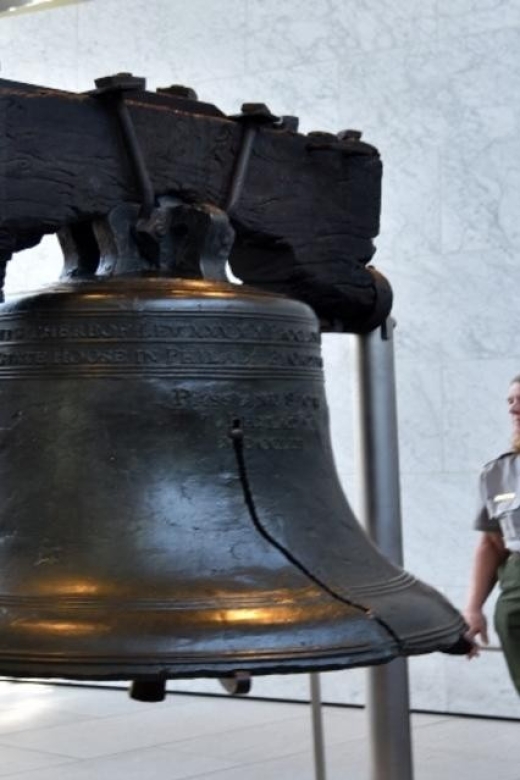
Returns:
(388, 692)
(317, 726)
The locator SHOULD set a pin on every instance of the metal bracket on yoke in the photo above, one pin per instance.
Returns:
(174, 237)
(253, 116)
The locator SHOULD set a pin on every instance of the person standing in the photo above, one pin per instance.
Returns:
(497, 553)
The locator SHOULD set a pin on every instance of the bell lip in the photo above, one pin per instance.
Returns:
(89, 668)
(45, 666)
(176, 663)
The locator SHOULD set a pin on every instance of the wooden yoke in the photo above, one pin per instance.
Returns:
(304, 215)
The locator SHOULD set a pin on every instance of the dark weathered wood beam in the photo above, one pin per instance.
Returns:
(305, 217)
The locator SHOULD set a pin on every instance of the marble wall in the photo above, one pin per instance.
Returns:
(434, 85)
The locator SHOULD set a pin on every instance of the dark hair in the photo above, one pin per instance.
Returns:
(515, 379)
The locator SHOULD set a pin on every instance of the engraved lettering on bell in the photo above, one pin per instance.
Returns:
(149, 328)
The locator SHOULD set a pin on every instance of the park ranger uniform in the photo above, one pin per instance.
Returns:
(499, 512)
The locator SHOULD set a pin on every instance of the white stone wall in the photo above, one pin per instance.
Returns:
(434, 85)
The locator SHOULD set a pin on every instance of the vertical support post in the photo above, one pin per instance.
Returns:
(388, 691)
(317, 726)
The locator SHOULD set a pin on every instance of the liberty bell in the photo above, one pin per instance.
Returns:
(170, 504)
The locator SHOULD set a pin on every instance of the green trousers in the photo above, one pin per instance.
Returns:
(507, 615)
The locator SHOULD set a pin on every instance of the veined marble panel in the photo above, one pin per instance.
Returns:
(411, 217)
(480, 175)
(478, 68)
(390, 96)
(470, 16)
(307, 91)
(41, 48)
(479, 307)
(481, 183)
(438, 511)
(166, 42)
(456, 307)
(418, 283)
(419, 407)
(282, 35)
(476, 422)
(445, 116)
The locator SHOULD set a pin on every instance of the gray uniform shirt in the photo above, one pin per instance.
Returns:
(499, 503)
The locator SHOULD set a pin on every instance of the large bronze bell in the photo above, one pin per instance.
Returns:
(170, 505)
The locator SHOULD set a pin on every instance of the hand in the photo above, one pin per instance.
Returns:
(477, 625)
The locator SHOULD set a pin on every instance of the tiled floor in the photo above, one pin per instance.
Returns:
(53, 732)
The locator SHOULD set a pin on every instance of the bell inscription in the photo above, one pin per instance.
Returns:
(151, 344)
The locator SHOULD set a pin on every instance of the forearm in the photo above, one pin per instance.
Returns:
(489, 554)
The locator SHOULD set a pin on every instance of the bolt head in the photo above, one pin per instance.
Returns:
(120, 82)
(178, 90)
